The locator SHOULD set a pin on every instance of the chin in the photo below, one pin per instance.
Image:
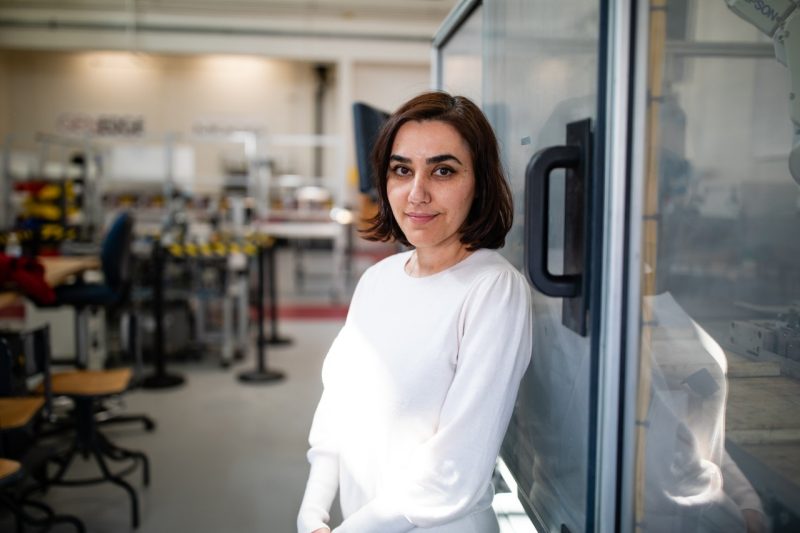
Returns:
(417, 241)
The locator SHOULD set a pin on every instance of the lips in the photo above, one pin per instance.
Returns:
(421, 218)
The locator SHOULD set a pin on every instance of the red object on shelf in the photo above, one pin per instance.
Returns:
(30, 186)
(26, 275)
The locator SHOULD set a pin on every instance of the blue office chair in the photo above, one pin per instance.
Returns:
(112, 293)
(115, 258)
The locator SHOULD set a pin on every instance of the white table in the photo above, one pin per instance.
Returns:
(336, 232)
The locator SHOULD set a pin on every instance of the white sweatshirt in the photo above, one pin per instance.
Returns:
(419, 386)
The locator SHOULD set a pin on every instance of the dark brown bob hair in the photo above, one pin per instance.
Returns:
(490, 217)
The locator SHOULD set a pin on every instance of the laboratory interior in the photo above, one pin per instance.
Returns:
(184, 189)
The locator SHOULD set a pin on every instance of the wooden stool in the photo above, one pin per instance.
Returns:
(16, 413)
(11, 473)
(85, 387)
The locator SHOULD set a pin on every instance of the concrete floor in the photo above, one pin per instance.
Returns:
(226, 456)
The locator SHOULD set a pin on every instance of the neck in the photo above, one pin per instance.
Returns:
(425, 262)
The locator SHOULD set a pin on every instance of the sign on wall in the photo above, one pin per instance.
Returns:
(216, 126)
(102, 125)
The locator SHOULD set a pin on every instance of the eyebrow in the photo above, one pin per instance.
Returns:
(430, 161)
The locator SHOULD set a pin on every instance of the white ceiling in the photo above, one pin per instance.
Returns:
(433, 10)
(380, 30)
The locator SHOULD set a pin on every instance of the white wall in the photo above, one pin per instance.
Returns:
(173, 93)
(387, 86)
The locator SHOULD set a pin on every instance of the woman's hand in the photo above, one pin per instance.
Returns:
(322, 530)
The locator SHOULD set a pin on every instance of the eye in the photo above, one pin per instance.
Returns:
(444, 172)
(401, 170)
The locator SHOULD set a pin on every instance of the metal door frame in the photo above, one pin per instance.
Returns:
(632, 267)
(460, 13)
(621, 24)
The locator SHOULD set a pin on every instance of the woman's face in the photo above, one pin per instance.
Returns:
(430, 184)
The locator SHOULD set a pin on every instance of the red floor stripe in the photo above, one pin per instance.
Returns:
(297, 312)
(307, 312)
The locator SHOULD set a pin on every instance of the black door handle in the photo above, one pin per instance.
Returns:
(575, 158)
(537, 193)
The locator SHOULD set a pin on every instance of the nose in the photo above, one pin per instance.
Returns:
(419, 191)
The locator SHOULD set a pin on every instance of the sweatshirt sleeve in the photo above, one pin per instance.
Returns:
(448, 473)
(323, 478)
(323, 454)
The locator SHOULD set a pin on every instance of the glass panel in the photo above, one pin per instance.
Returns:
(718, 436)
(540, 73)
(461, 59)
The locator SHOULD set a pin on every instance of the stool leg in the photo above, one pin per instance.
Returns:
(122, 483)
(22, 517)
(145, 468)
(15, 510)
(82, 337)
(64, 463)
(148, 423)
(95, 442)
(116, 453)
(79, 527)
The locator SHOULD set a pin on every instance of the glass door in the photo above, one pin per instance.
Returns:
(542, 74)
(712, 431)
(548, 73)
(458, 47)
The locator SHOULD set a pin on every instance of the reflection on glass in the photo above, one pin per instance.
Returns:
(541, 73)
(462, 57)
(718, 436)
(692, 483)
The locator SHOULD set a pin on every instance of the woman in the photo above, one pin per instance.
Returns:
(420, 382)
